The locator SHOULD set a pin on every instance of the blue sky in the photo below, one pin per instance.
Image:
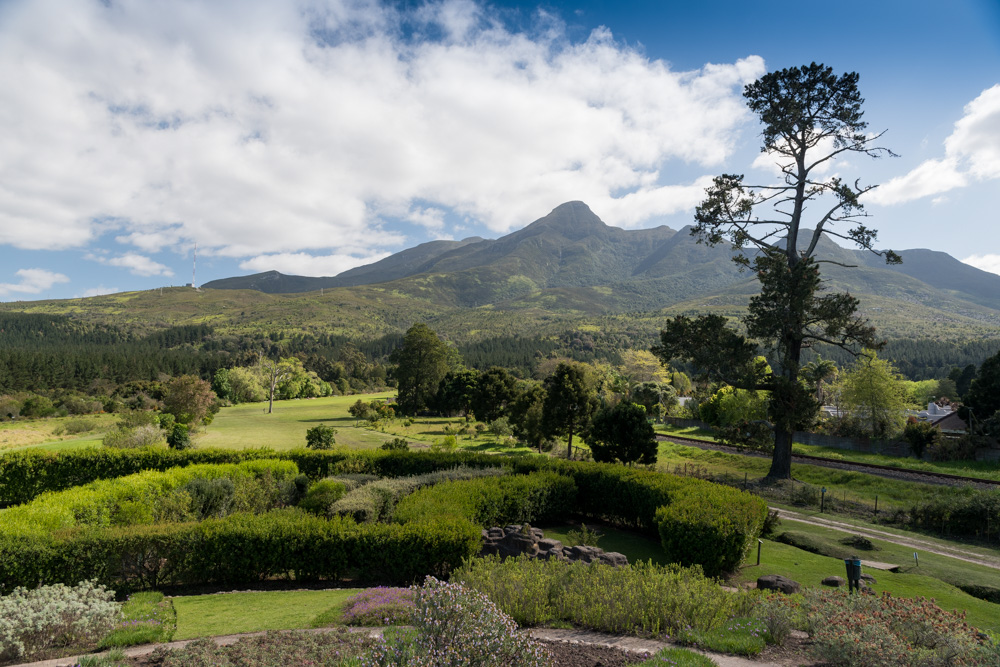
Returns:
(318, 135)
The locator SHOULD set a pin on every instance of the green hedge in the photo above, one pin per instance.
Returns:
(239, 549)
(702, 523)
(137, 498)
(704, 526)
(27, 474)
(492, 501)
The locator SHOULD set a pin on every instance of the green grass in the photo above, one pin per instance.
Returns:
(249, 425)
(635, 546)
(810, 569)
(233, 613)
(980, 469)
(677, 657)
(48, 433)
(854, 487)
(739, 636)
(147, 618)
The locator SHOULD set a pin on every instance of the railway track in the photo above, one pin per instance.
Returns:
(869, 468)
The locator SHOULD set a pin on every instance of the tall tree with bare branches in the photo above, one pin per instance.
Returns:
(811, 117)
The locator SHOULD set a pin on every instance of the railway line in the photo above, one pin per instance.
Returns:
(868, 468)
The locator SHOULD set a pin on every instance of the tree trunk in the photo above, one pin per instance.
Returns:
(781, 459)
(569, 447)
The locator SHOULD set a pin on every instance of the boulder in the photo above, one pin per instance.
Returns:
(613, 558)
(776, 582)
(835, 582)
(513, 541)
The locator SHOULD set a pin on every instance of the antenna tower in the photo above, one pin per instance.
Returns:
(194, 266)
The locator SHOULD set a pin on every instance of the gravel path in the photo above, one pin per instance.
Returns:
(566, 638)
(916, 543)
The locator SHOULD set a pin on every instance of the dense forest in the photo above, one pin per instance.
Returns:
(46, 352)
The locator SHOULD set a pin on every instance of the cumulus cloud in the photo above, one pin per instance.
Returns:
(972, 153)
(304, 264)
(100, 290)
(284, 129)
(137, 264)
(32, 281)
(989, 263)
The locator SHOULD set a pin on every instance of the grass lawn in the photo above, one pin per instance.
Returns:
(50, 433)
(635, 546)
(842, 485)
(980, 469)
(249, 426)
(233, 613)
(809, 569)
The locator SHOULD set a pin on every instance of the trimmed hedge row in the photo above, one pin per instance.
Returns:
(138, 498)
(239, 549)
(708, 524)
(537, 497)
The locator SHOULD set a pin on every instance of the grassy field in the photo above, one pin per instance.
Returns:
(249, 426)
(51, 433)
(981, 469)
(232, 613)
(809, 569)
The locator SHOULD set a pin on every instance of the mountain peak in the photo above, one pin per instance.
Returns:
(573, 220)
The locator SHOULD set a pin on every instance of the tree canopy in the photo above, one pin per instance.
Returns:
(622, 433)
(810, 117)
(570, 400)
(421, 363)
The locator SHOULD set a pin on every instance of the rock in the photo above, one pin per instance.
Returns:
(613, 558)
(868, 578)
(513, 541)
(548, 544)
(835, 582)
(776, 582)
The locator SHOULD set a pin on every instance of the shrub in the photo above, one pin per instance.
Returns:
(454, 626)
(379, 606)
(75, 426)
(321, 495)
(886, 631)
(132, 438)
(395, 445)
(956, 449)
(921, 436)
(53, 616)
(320, 437)
(641, 599)
(210, 497)
(700, 528)
(377, 500)
(179, 438)
(538, 497)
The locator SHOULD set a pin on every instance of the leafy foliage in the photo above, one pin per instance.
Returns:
(622, 433)
(321, 436)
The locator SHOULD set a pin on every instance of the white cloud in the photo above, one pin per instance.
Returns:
(137, 264)
(100, 290)
(262, 128)
(972, 152)
(989, 263)
(304, 264)
(930, 178)
(32, 281)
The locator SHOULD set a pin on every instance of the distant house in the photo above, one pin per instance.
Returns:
(945, 418)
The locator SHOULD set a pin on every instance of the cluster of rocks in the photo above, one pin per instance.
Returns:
(776, 582)
(514, 540)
